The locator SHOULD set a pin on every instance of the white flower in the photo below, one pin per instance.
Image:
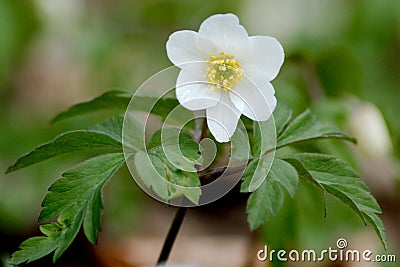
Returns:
(225, 72)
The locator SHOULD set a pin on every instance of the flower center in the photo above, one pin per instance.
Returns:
(223, 71)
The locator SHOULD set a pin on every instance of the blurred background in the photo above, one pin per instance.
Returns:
(342, 61)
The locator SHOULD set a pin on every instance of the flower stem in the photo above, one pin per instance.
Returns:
(181, 211)
(199, 133)
(172, 233)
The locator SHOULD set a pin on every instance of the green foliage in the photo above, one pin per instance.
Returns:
(74, 197)
(282, 116)
(240, 145)
(171, 157)
(306, 127)
(182, 151)
(57, 234)
(327, 173)
(65, 143)
(106, 136)
(167, 165)
(329, 58)
(276, 124)
(111, 100)
(336, 177)
(119, 100)
(268, 198)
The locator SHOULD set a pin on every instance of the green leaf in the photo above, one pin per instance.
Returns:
(125, 128)
(303, 173)
(112, 127)
(160, 106)
(189, 183)
(78, 185)
(269, 197)
(119, 100)
(151, 171)
(91, 224)
(339, 179)
(282, 115)
(240, 145)
(168, 167)
(75, 198)
(133, 134)
(176, 147)
(263, 141)
(58, 236)
(111, 100)
(266, 132)
(106, 136)
(66, 143)
(306, 127)
(256, 173)
(35, 248)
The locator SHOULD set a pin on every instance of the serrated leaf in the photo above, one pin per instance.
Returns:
(101, 136)
(111, 100)
(133, 134)
(339, 179)
(75, 198)
(91, 224)
(303, 173)
(282, 115)
(268, 198)
(189, 183)
(112, 127)
(240, 145)
(79, 185)
(168, 166)
(176, 147)
(119, 100)
(256, 173)
(70, 221)
(306, 127)
(58, 236)
(106, 136)
(150, 176)
(266, 132)
(174, 155)
(66, 143)
(33, 248)
(125, 129)
(264, 137)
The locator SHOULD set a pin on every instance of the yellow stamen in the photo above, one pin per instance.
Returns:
(223, 71)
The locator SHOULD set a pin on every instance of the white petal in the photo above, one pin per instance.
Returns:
(265, 59)
(192, 90)
(182, 47)
(226, 34)
(255, 99)
(222, 119)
